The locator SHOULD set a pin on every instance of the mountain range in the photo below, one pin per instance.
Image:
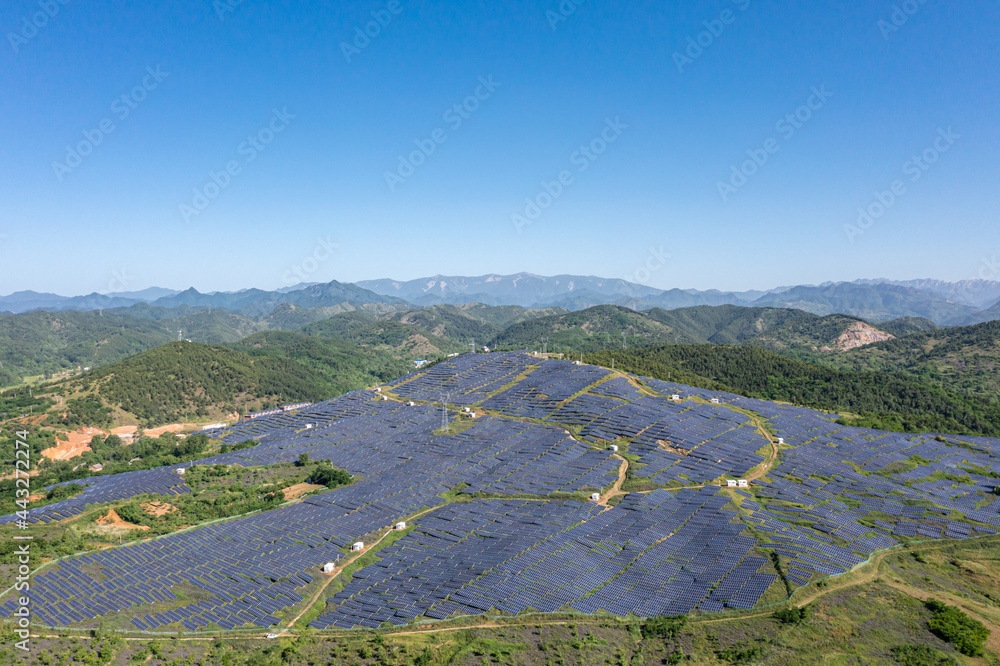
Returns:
(944, 303)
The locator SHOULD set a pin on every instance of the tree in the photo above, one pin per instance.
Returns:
(331, 477)
(303, 460)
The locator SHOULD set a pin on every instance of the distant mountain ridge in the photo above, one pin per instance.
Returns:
(876, 300)
(944, 303)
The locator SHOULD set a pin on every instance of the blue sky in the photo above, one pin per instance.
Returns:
(311, 128)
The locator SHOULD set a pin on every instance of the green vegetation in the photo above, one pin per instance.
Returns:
(223, 491)
(880, 400)
(187, 381)
(329, 476)
(791, 615)
(953, 625)
(921, 655)
(965, 359)
(666, 627)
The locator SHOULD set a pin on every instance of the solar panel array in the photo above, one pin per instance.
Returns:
(835, 495)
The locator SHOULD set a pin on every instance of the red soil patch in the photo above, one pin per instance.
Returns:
(112, 518)
(76, 445)
(298, 490)
(158, 508)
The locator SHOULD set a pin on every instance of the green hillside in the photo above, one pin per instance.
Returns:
(789, 331)
(46, 343)
(875, 399)
(907, 325)
(183, 381)
(403, 340)
(963, 359)
(591, 330)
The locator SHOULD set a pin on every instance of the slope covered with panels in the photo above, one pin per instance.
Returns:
(833, 496)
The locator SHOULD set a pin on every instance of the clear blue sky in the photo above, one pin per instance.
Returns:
(115, 219)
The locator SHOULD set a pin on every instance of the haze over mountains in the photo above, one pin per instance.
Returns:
(877, 300)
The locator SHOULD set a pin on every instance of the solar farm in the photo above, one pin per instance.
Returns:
(499, 513)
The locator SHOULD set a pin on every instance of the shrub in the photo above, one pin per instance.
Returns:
(951, 624)
(331, 477)
(791, 615)
(920, 655)
(663, 627)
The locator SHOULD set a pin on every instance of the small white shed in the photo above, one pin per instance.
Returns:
(743, 483)
(358, 546)
(329, 567)
(730, 483)
(596, 497)
(401, 525)
(614, 447)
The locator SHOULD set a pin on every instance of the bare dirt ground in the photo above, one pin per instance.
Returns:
(76, 445)
(112, 519)
(173, 427)
(158, 508)
(298, 490)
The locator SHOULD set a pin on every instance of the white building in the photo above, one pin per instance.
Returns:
(401, 525)
(614, 447)
(596, 497)
(781, 440)
(743, 483)
(715, 401)
(329, 567)
(358, 546)
(675, 397)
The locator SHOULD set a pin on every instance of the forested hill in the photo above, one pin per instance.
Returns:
(963, 359)
(183, 381)
(875, 399)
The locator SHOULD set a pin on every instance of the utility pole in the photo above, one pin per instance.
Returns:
(624, 347)
(472, 345)
(545, 344)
